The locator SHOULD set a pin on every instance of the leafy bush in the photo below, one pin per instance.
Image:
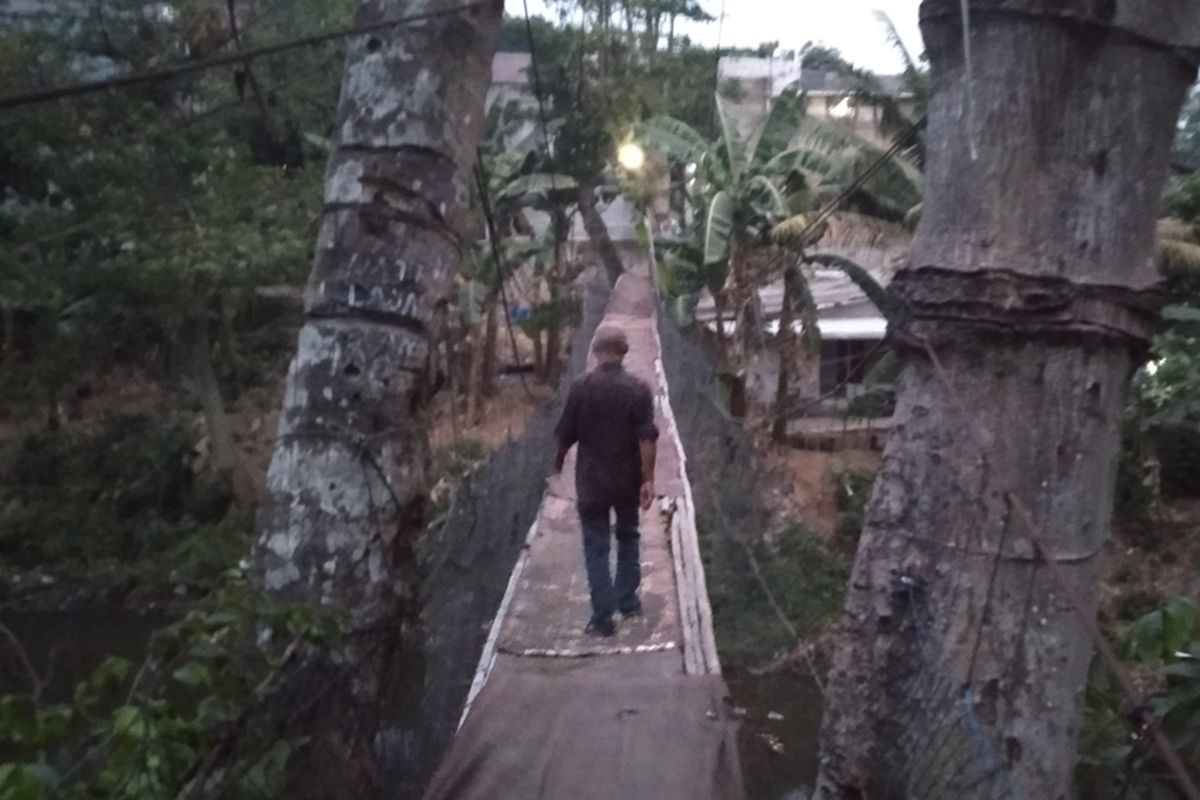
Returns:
(125, 498)
(853, 490)
(188, 722)
(1120, 761)
(806, 581)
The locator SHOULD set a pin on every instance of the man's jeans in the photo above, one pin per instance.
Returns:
(607, 598)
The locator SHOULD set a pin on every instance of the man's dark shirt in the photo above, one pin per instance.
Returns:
(608, 413)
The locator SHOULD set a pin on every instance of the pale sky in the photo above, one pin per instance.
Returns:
(848, 25)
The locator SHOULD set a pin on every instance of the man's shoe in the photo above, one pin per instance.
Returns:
(604, 628)
(634, 610)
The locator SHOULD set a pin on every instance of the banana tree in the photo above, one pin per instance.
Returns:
(744, 189)
(758, 201)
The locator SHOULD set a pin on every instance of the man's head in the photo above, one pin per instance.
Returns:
(610, 345)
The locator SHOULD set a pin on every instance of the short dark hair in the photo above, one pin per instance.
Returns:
(611, 341)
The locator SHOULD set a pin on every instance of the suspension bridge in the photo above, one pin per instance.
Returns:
(554, 713)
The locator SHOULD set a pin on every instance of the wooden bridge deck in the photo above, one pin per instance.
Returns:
(557, 715)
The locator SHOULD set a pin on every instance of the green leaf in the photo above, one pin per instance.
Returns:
(1181, 313)
(864, 280)
(670, 136)
(20, 782)
(735, 146)
(1180, 618)
(18, 719)
(265, 780)
(778, 128)
(718, 228)
(777, 205)
(194, 673)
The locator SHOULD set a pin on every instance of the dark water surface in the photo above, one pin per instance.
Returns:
(779, 733)
(65, 646)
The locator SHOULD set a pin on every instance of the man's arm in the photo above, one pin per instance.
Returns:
(647, 433)
(566, 431)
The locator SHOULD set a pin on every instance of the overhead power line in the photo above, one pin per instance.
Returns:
(244, 57)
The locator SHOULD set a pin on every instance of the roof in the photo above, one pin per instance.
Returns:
(820, 82)
(511, 68)
(843, 310)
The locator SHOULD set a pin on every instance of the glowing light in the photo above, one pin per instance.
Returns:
(631, 156)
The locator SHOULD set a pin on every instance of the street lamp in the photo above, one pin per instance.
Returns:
(631, 156)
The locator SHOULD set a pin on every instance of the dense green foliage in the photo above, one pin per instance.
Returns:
(136, 228)
(798, 578)
(186, 722)
(1117, 763)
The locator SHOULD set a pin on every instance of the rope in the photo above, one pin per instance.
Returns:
(242, 57)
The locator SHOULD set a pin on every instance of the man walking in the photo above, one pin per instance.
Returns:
(610, 414)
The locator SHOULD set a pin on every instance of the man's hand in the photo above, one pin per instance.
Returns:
(647, 495)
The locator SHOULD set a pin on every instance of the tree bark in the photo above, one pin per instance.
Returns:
(597, 232)
(475, 375)
(223, 455)
(347, 486)
(786, 347)
(491, 343)
(1027, 281)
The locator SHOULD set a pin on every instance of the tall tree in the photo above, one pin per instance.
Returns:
(1038, 311)
(347, 486)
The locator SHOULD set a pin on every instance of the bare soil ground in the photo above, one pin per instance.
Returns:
(801, 485)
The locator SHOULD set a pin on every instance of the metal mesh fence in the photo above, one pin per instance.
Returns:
(464, 577)
(938, 748)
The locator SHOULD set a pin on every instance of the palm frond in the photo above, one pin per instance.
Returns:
(812, 163)
(673, 137)
(912, 217)
(898, 180)
(735, 145)
(718, 227)
(912, 72)
(777, 204)
(779, 127)
(864, 280)
(803, 306)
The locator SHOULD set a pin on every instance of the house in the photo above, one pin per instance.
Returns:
(751, 83)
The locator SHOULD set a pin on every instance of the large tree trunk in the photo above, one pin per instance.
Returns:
(347, 486)
(597, 231)
(1027, 281)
